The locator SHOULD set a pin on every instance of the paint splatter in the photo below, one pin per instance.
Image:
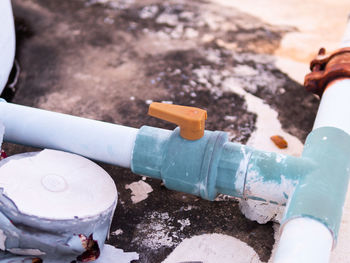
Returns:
(211, 248)
(139, 191)
(117, 232)
(156, 231)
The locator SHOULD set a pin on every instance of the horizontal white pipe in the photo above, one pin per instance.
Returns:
(334, 109)
(101, 141)
(7, 41)
(304, 240)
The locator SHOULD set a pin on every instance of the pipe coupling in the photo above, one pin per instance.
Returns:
(183, 165)
(327, 67)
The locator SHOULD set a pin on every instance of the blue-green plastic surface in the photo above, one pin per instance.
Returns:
(321, 193)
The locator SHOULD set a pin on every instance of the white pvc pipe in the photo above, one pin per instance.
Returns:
(7, 41)
(101, 141)
(304, 240)
(334, 109)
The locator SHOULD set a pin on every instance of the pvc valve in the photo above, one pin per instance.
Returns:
(190, 119)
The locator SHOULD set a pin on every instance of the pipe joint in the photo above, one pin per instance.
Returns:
(183, 165)
(326, 68)
(320, 193)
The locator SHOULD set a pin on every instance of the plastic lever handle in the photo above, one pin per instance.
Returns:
(190, 119)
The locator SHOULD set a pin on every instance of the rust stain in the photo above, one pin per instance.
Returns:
(279, 141)
(2, 155)
(92, 249)
(326, 68)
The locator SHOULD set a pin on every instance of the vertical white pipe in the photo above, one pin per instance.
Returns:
(304, 240)
(7, 41)
(334, 109)
(97, 140)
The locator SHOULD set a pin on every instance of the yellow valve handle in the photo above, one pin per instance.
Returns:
(190, 119)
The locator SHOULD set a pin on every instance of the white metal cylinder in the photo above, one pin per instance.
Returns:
(97, 140)
(334, 109)
(304, 240)
(7, 41)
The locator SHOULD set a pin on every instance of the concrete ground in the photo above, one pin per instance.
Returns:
(108, 59)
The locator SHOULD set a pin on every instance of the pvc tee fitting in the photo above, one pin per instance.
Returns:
(314, 185)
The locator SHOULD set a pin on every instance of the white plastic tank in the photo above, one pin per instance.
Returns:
(7, 41)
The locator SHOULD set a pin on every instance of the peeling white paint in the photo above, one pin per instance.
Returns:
(267, 125)
(139, 191)
(256, 186)
(213, 248)
(261, 212)
(117, 232)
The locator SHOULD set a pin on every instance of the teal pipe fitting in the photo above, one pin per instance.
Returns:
(213, 165)
(183, 165)
(253, 174)
(149, 151)
(320, 194)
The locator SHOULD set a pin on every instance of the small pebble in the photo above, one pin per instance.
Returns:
(279, 141)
